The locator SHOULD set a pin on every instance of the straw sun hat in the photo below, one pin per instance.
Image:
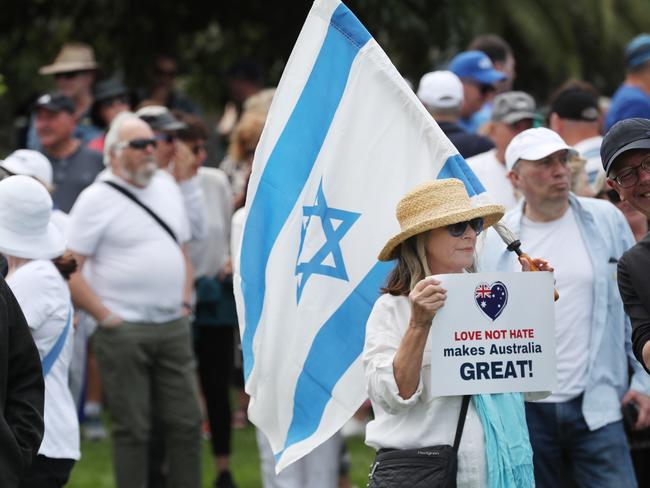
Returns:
(436, 204)
(25, 227)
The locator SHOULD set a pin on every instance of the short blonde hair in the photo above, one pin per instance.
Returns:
(246, 135)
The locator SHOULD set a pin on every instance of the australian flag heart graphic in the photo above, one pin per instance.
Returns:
(491, 299)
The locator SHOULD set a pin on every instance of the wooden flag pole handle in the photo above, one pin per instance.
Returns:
(533, 267)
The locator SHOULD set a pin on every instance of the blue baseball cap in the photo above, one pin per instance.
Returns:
(475, 65)
(638, 50)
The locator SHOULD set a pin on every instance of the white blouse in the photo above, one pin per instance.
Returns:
(422, 420)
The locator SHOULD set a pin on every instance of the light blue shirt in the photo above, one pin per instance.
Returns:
(607, 236)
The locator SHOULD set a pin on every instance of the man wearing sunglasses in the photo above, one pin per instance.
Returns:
(177, 159)
(626, 160)
(74, 70)
(576, 433)
(479, 78)
(135, 279)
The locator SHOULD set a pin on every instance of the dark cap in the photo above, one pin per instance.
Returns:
(576, 104)
(55, 102)
(624, 136)
(513, 106)
(108, 89)
(160, 118)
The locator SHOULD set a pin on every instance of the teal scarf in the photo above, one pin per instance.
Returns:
(509, 455)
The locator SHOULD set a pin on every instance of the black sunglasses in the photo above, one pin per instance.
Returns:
(139, 144)
(486, 89)
(68, 74)
(459, 228)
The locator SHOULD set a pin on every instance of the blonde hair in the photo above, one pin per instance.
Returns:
(245, 135)
(412, 265)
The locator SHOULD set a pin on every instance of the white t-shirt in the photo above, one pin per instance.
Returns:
(492, 175)
(210, 253)
(44, 298)
(561, 243)
(423, 419)
(135, 267)
(590, 150)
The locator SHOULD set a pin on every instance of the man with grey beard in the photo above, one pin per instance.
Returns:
(128, 233)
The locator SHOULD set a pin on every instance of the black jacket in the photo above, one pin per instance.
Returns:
(634, 285)
(21, 391)
(468, 145)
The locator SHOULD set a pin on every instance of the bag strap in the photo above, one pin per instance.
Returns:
(53, 354)
(130, 195)
(461, 421)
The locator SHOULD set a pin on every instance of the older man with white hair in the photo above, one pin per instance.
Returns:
(128, 233)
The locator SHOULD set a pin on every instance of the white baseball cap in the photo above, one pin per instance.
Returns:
(26, 230)
(440, 89)
(29, 163)
(534, 144)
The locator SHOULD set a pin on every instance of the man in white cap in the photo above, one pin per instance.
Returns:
(582, 238)
(128, 233)
(441, 92)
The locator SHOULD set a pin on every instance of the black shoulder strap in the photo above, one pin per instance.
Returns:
(130, 195)
(461, 421)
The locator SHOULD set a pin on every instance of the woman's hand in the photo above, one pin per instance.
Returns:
(427, 297)
(541, 264)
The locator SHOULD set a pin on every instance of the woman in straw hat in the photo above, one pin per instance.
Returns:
(37, 275)
(439, 228)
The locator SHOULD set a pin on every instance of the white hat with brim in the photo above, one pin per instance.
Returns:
(434, 204)
(29, 163)
(26, 230)
(534, 144)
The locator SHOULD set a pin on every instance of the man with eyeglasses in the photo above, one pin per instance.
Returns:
(479, 78)
(74, 70)
(176, 158)
(512, 113)
(577, 432)
(135, 279)
(626, 160)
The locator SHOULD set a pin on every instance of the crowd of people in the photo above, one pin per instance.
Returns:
(119, 233)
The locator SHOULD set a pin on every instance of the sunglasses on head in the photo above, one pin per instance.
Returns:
(459, 228)
(139, 144)
(168, 138)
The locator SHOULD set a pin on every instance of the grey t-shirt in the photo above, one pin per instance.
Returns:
(74, 173)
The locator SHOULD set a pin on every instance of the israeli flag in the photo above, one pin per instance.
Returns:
(345, 139)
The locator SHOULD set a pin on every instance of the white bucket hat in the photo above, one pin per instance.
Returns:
(29, 163)
(25, 227)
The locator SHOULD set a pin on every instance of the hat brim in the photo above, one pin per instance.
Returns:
(640, 144)
(488, 77)
(540, 151)
(491, 213)
(46, 246)
(177, 125)
(511, 118)
(53, 69)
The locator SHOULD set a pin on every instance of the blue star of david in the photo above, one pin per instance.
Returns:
(333, 236)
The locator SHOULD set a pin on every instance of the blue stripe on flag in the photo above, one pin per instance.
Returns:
(336, 346)
(457, 167)
(290, 164)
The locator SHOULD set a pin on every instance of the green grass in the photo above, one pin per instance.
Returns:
(94, 470)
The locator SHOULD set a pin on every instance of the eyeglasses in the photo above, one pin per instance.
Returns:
(630, 176)
(138, 144)
(459, 228)
(68, 75)
(112, 101)
(168, 138)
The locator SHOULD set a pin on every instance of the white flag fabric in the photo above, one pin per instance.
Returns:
(345, 139)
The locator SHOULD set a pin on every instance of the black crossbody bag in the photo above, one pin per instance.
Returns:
(426, 467)
(131, 196)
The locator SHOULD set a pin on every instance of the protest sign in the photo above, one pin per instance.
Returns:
(495, 334)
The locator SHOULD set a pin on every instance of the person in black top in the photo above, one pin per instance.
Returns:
(21, 392)
(441, 92)
(625, 153)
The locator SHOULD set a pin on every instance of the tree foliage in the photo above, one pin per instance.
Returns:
(553, 40)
